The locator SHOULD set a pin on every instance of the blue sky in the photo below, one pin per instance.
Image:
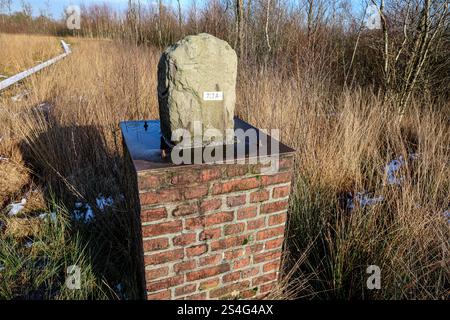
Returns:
(56, 7)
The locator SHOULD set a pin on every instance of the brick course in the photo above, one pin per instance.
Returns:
(213, 231)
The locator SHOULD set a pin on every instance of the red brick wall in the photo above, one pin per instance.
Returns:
(212, 232)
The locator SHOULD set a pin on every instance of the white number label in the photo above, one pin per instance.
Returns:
(213, 96)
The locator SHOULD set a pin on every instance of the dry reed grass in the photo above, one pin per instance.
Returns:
(13, 178)
(20, 52)
(344, 142)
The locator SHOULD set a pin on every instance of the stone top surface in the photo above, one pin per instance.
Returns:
(143, 141)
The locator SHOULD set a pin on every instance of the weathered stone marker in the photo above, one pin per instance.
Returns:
(205, 231)
(197, 83)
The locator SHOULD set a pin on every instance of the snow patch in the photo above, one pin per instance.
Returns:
(83, 212)
(119, 289)
(366, 200)
(43, 107)
(20, 96)
(394, 166)
(363, 199)
(2, 267)
(17, 207)
(391, 169)
(48, 216)
(28, 244)
(447, 215)
(103, 203)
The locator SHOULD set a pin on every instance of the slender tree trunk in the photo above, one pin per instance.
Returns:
(247, 23)
(386, 45)
(427, 37)
(240, 26)
(160, 12)
(358, 37)
(310, 17)
(180, 18)
(269, 48)
(386, 71)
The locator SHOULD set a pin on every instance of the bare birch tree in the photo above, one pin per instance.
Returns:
(239, 12)
(404, 63)
(160, 13)
(180, 17)
(269, 48)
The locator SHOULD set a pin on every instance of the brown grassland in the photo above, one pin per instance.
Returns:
(19, 52)
(70, 151)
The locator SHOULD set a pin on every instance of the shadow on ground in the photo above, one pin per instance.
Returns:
(74, 166)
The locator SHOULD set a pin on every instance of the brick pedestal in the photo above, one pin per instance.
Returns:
(207, 231)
